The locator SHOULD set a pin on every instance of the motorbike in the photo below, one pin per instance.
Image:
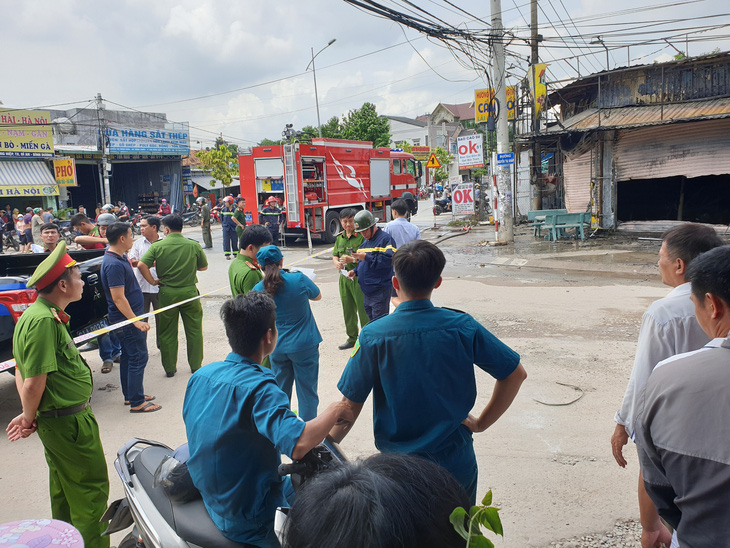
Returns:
(442, 205)
(159, 522)
(134, 224)
(10, 240)
(191, 218)
(214, 216)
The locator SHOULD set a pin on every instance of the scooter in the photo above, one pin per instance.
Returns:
(9, 240)
(191, 218)
(159, 522)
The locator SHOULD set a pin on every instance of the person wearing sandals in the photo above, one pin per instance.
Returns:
(296, 356)
(126, 301)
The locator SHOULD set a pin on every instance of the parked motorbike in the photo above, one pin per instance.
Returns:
(134, 224)
(10, 240)
(442, 205)
(191, 218)
(159, 522)
(214, 215)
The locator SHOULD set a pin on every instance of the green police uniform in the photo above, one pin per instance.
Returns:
(240, 216)
(350, 292)
(205, 214)
(42, 345)
(177, 260)
(243, 274)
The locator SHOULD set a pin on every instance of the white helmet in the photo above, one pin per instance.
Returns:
(105, 219)
(107, 207)
(200, 200)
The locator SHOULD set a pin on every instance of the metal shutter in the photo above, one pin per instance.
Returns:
(577, 182)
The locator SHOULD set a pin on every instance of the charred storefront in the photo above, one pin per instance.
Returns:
(647, 143)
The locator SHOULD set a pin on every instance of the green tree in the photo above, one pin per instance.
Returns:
(364, 124)
(444, 158)
(222, 164)
(268, 142)
(331, 129)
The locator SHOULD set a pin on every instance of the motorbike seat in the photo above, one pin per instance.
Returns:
(190, 520)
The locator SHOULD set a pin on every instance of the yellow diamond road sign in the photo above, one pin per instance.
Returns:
(433, 162)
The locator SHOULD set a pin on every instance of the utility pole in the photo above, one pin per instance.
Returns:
(536, 163)
(104, 159)
(504, 183)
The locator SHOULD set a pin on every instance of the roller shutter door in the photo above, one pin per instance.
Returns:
(577, 182)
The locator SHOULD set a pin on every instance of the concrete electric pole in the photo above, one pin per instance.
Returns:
(536, 163)
(504, 179)
(104, 160)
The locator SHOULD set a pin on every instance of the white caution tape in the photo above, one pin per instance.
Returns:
(104, 330)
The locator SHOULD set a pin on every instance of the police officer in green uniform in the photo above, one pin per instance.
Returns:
(245, 272)
(205, 222)
(55, 388)
(351, 295)
(177, 260)
(239, 217)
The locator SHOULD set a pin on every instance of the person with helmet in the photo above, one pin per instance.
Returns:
(205, 222)
(89, 236)
(272, 217)
(165, 208)
(36, 223)
(374, 270)
(230, 243)
(239, 217)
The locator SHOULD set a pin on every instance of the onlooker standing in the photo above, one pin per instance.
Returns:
(228, 227)
(55, 387)
(668, 328)
(682, 427)
(177, 259)
(205, 222)
(400, 228)
(49, 237)
(20, 230)
(374, 270)
(296, 356)
(28, 218)
(419, 362)
(36, 223)
(346, 243)
(125, 300)
(149, 226)
(90, 238)
(48, 215)
(245, 271)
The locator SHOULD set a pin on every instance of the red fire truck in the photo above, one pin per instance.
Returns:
(316, 181)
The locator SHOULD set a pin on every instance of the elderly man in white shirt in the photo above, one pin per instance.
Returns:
(668, 328)
(399, 228)
(150, 228)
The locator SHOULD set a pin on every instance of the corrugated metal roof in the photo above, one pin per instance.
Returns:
(647, 115)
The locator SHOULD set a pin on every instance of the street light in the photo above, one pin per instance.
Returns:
(314, 75)
(599, 40)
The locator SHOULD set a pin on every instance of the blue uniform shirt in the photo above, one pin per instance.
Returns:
(375, 272)
(117, 272)
(294, 320)
(419, 364)
(238, 422)
(227, 217)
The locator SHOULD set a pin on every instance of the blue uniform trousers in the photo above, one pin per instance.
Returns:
(462, 463)
(132, 364)
(377, 304)
(230, 240)
(302, 367)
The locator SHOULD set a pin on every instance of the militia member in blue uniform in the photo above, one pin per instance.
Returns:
(55, 387)
(374, 270)
(419, 364)
(238, 423)
(228, 225)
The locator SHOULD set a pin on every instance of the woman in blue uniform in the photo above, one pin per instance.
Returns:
(296, 356)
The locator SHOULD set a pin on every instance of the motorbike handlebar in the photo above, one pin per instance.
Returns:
(292, 468)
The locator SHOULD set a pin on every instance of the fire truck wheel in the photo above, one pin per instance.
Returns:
(331, 227)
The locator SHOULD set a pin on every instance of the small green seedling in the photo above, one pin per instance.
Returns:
(485, 515)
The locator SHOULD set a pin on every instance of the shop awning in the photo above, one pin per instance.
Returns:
(205, 182)
(26, 178)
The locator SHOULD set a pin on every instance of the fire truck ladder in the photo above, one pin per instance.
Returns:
(292, 190)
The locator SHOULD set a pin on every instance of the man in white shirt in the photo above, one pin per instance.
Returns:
(668, 328)
(399, 228)
(149, 226)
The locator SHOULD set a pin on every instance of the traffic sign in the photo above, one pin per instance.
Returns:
(433, 162)
(505, 158)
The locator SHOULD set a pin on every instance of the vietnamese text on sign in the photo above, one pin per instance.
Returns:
(174, 139)
(470, 151)
(505, 158)
(463, 199)
(25, 134)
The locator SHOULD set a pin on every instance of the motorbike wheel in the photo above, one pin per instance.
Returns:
(213, 220)
(69, 239)
(136, 230)
(130, 541)
(436, 210)
(14, 243)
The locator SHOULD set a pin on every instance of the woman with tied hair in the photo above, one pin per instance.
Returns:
(389, 500)
(296, 356)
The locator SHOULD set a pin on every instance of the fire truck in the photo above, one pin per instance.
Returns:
(316, 181)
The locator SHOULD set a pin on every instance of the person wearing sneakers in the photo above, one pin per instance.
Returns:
(125, 300)
(230, 244)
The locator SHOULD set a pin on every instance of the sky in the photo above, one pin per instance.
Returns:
(240, 68)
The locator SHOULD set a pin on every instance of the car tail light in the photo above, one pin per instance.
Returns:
(16, 301)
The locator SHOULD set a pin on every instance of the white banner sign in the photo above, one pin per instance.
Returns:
(471, 152)
(463, 199)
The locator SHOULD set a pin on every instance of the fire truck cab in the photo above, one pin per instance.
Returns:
(316, 181)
